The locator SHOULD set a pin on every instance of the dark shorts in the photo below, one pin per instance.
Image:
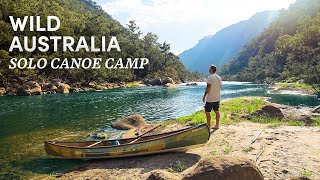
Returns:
(212, 106)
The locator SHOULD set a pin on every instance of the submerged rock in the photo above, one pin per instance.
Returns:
(192, 84)
(163, 175)
(224, 167)
(129, 122)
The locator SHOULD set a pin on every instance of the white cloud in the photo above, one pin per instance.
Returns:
(183, 22)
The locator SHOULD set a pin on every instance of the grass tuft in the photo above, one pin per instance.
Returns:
(248, 149)
(296, 85)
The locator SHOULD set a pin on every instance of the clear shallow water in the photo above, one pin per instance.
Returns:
(26, 121)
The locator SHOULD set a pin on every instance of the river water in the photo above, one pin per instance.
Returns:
(26, 121)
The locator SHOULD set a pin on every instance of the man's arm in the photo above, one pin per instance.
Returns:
(206, 92)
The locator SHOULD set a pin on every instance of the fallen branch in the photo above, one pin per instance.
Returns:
(260, 153)
(254, 140)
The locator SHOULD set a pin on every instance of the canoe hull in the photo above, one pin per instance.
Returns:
(176, 142)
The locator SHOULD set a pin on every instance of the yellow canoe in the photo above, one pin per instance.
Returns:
(180, 140)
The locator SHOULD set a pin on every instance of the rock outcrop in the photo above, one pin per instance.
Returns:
(56, 82)
(11, 91)
(224, 167)
(100, 88)
(53, 88)
(155, 82)
(29, 88)
(129, 122)
(270, 111)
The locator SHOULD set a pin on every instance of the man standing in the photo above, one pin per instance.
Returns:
(212, 96)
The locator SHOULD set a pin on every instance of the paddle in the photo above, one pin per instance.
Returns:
(94, 144)
(144, 134)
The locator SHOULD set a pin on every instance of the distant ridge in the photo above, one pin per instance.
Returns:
(220, 48)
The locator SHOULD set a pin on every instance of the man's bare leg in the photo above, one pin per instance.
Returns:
(216, 126)
(208, 118)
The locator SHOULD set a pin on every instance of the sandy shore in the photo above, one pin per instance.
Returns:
(280, 153)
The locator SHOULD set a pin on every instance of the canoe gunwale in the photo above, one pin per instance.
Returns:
(179, 149)
(165, 135)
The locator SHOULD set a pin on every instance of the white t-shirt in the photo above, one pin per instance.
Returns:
(215, 88)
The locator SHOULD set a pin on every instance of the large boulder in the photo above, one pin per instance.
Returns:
(129, 122)
(167, 80)
(224, 167)
(29, 88)
(270, 111)
(163, 175)
(2, 91)
(304, 118)
(156, 81)
(63, 88)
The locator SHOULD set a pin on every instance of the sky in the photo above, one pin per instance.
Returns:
(182, 23)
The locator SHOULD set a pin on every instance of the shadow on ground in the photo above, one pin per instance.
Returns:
(146, 163)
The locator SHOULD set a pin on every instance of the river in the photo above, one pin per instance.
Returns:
(26, 121)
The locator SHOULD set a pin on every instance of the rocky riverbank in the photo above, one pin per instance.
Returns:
(42, 86)
(242, 146)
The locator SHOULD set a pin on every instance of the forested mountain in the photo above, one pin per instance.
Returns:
(289, 49)
(225, 44)
(84, 18)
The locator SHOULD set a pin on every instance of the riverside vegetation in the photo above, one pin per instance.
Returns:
(84, 18)
(287, 50)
